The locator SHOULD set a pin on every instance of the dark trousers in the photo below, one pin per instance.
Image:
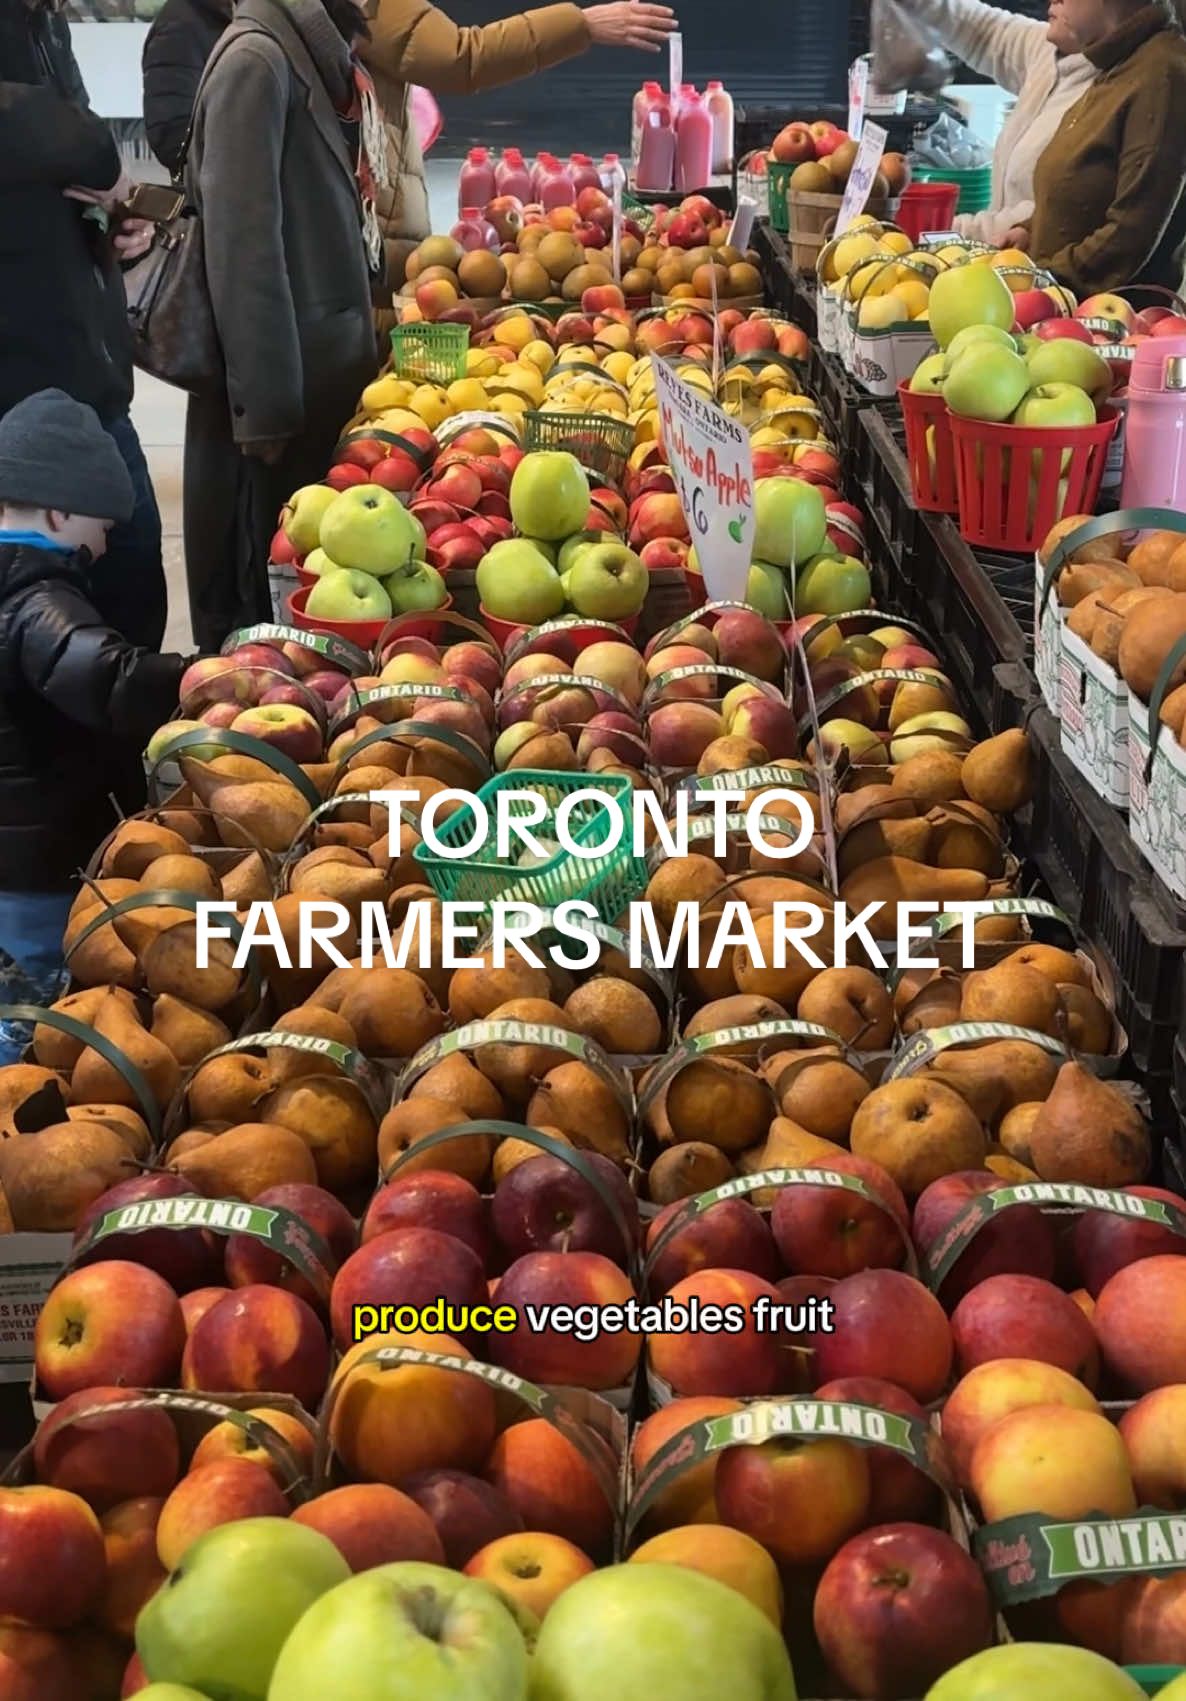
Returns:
(129, 581)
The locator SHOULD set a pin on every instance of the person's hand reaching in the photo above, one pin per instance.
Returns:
(1018, 237)
(630, 23)
(132, 238)
(108, 199)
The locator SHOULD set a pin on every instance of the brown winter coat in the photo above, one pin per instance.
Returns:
(413, 42)
(1110, 190)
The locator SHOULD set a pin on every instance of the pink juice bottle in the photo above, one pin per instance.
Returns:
(584, 173)
(474, 230)
(647, 97)
(720, 105)
(656, 153)
(476, 184)
(543, 165)
(512, 175)
(555, 185)
(693, 143)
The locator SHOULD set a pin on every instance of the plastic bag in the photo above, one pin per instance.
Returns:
(907, 53)
(950, 145)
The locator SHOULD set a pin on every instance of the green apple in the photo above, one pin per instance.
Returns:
(566, 555)
(831, 584)
(170, 1692)
(790, 522)
(419, 536)
(1036, 1671)
(657, 1633)
(549, 495)
(517, 582)
(766, 590)
(608, 582)
(979, 334)
(367, 528)
(318, 562)
(346, 594)
(986, 382)
(405, 1632)
(173, 729)
(1173, 1691)
(929, 375)
(969, 295)
(1055, 404)
(415, 586)
(303, 514)
(1064, 360)
(220, 1620)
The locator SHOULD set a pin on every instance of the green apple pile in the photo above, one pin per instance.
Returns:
(555, 564)
(366, 551)
(796, 564)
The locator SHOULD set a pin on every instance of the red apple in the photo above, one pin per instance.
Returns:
(793, 144)
(1048, 328)
(828, 1231)
(551, 1485)
(53, 1558)
(249, 1261)
(185, 1258)
(258, 1340)
(372, 1524)
(898, 1488)
(396, 472)
(705, 1362)
(195, 1305)
(455, 545)
(37, 1665)
(898, 1607)
(1013, 1316)
(544, 1205)
(466, 1512)
(1103, 1242)
(406, 1267)
(345, 474)
(431, 1199)
(669, 553)
(219, 1493)
(729, 1235)
(1019, 1241)
(553, 1355)
(111, 1456)
(886, 1324)
(108, 1323)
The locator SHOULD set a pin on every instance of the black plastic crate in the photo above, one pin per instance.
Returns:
(1014, 696)
(1179, 1074)
(777, 276)
(1173, 1163)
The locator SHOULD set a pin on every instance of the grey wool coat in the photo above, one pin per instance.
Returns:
(272, 175)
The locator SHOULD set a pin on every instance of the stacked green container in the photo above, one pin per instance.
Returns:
(1153, 1679)
(975, 184)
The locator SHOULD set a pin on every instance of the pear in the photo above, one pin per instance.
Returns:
(57, 1050)
(227, 1089)
(139, 927)
(23, 1083)
(248, 882)
(205, 778)
(683, 1171)
(883, 802)
(474, 993)
(885, 837)
(737, 1012)
(891, 880)
(457, 1081)
(681, 879)
(934, 777)
(333, 989)
(1018, 1070)
(102, 959)
(717, 1101)
(322, 775)
(573, 1097)
(935, 1005)
(341, 882)
(260, 814)
(170, 965)
(392, 1012)
(703, 983)
(286, 1063)
(244, 1161)
(516, 1069)
(510, 1152)
(1089, 1132)
(1089, 1023)
(1150, 633)
(821, 1094)
(295, 985)
(136, 844)
(1064, 968)
(7, 1226)
(333, 1119)
(966, 835)
(174, 873)
(1015, 1132)
(1012, 992)
(95, 1080)
(127, 1123)
(998, 773)
(50, 1177)
(918, 1130)
(189, 1031)
(410, 1121)
(616, 1015)
(762, 979)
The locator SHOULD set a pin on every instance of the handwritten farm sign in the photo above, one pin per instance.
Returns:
(710, 459)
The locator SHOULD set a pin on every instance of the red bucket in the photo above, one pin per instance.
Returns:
(364, 633)
(932, 465)
(927, 206)
(573, 641)
(1013, 484)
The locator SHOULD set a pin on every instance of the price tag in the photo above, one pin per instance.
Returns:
(709, 455)
(873, 140)
(939, 238)
(675, 69)
(618, 227)
(743, 223)
(858, 90)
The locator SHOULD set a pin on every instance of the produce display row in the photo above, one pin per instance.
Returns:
(518, 1332)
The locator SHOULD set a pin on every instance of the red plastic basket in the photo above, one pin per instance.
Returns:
(927, 206)
(576, 639)
(364, 633)
(1013, 484)
(932, 465)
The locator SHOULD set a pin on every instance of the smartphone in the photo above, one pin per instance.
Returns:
(159, 202)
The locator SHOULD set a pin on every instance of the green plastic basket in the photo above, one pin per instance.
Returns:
(1153, 1679)
(608, 882)
(778, 181)
(974, 185)
(434, 354)
(601, 442)
(639, 211)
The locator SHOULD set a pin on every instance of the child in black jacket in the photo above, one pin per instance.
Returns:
(77, 701)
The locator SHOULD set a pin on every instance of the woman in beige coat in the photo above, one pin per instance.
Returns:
(412, 42)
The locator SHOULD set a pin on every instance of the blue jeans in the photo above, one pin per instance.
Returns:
(31, 966)
(129, 581)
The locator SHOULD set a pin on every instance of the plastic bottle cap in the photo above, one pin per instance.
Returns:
(714, 86)
(471, 212)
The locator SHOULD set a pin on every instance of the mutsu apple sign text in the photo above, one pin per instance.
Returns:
(709, 455)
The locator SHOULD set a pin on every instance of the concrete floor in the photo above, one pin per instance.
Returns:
(159, 414)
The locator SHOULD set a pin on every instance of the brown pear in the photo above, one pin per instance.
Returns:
(1108, 626)
(881, 801)
(683, 1171)
(787, 1146)
(517, 1068)
(102, 959)
(456, 1080)
(854, 1003)
(228, 1089)
(1011, 992)
(295, 985)
(51, 1177)
(205, 778)
(337, 881)
(1173, 712)
(7, 1225)
(1064, 968)
(760, 978)
(289, 1064)
(821, 1096)
(136, 844)
(245, 1160)
(868, 839)
(57, 1050)
(1009, 1170)
(392, 1013)
(170, 965)
(717, 1101)
(1088, 1131)
(966, 835)
(704, 982)
(94, 1079)
(1081, 578)
(173, 873)
(1084, 617)
(918, 1130)
(189, 1031)
(934, 1005)
(331, 991)
(998, 773)
(934, 777)
(737, 1012)
(1016, 1130)
(127, 1123)
(1089, 1023)
(1019, 1070)
(413, 1119)
(998, 929)
(248, 882)
(24, 1086)
(681, 879)
(1150, 633)
(891, 880)
(138, 928)
(981, 1093)
(575, 1098)
(194, 826)
(618, 1016)
(334, 1120)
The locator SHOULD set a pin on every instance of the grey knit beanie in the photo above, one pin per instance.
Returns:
(55, 454)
